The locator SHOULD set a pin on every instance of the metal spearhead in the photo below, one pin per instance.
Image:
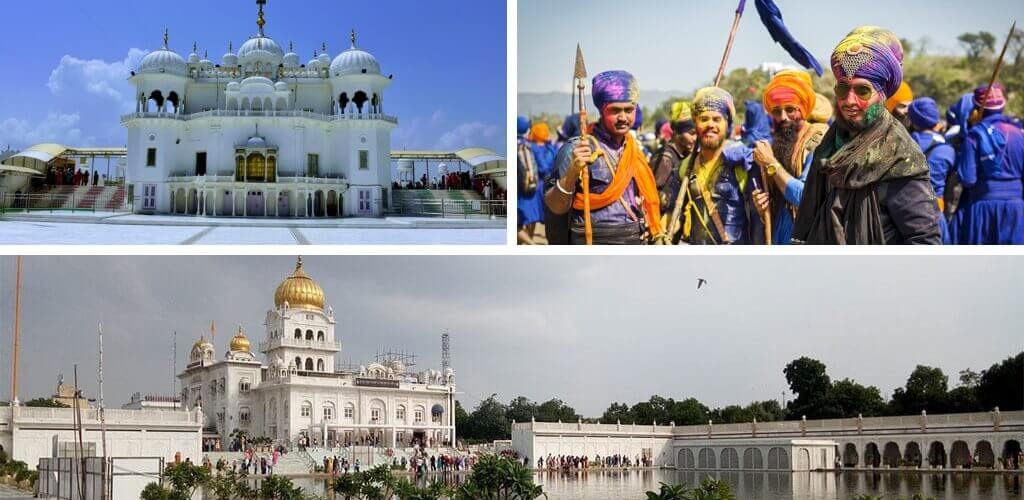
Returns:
(581, 69)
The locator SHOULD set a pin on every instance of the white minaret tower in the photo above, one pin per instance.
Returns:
(300, 333)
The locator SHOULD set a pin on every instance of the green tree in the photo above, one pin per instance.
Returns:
(926, 389)
(462, 419)
(488, 421)
(976, 44)
(521, 409)
(554, 410)
(848, 398)
(616, 412)
(45, 403)
(185, 479)
(689, 411)
(807, 379)
(1001, 385)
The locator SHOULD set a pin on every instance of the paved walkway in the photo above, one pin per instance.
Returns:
(123, 229)
(12, 492)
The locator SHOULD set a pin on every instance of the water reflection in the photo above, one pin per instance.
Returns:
(595, 485)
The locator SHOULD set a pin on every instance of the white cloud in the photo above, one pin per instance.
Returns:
(56, 127)
(96, 77)
(467, 135)
(412, 132)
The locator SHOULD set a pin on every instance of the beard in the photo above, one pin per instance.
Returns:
(871, 115)
(708, 144)
(784, 141)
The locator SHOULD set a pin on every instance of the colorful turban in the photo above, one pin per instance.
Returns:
(995, 100)
(665, 132)
(540, 132)
(903, 95)
(871, 53)
(522, 125)
(714, 99)
(570, 127)
(822, 111)
(615, 86)
(790, 87)
(923, 113)
(639, 121)
(681, 112)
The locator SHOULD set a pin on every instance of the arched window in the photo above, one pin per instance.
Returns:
(328, 411)
(400, 414)
(256, 167)
(298, 334)
(309, 334)
(350, 411)
(157, 98)
(307, 409)
(174, 100)
(375, 104)
(244, 385)
(239, 168)
(271, 169)
(298, 362)
(309, 364)
(343, 101)
(359, 99)
(243, 416)
(320, 336)
(319, 365)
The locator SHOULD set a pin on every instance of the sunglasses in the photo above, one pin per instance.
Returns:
(788, 110)
(862, 91)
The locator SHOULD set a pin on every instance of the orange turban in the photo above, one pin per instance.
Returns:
(902, 95)
(790, 87)
(540, 132)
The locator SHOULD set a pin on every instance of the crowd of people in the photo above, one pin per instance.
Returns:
(583, 462)
(445, 182)
(70, 176)
(874, 165)
(250, 464)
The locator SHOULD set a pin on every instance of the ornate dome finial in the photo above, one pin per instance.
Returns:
(353, 38)
(167, 37)
(291, 46)
(323, 47)
(298, 263)
(261, 21)
(231, 47)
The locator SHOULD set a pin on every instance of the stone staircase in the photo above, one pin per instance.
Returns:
(81, 198)
(434, 202)
(293, 463)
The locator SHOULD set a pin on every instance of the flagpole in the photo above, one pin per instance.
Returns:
(103, 420)
(17, 334)
(728, 46)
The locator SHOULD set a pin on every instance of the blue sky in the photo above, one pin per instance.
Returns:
(67, 61)
(678, 44)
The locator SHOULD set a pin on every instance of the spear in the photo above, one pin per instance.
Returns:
(579, 75)
(976, 114)
(732, 37)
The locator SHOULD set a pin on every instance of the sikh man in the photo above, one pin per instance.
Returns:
(869, 181)
(991, 169)
(900, 102)
(623, 198)
(713, 204)
(666, 161)
(786, 162)
(923, 115)
(528, 197)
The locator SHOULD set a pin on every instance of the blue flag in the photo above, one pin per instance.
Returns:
(771, 16)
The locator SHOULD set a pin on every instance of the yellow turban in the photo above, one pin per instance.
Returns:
(540, 132)
(681, 112)
(790, 87)
(902, 96)
(822, 112)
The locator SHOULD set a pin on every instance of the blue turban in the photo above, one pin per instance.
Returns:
(522, 125)
(715, 99)
(757, 126)
(923, 113)
(615, 86)
(570, 127)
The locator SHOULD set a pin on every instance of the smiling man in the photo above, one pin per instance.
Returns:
(624, 205)
(714, 202)
(869, 181)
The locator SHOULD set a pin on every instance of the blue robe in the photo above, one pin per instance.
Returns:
(757, 126)
(941, 161)
(991, 168)
(530, 209)
(782, 220)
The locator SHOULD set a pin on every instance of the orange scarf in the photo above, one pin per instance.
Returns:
(632, 166)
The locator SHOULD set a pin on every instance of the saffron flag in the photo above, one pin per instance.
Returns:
(771, 16)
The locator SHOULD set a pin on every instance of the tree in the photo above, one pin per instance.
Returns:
(555, 410)
(977, 43)
(462, 420)
(848, 398)
(45, 403)
(926, 390)
(1001, 385)
(488, 422)
(807, 379)
(521, 409)
(689, 411)
(969, 378)
(616, 412)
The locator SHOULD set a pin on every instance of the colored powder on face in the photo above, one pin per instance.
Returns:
(873, 113)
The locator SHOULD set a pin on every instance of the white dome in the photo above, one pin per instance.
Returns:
(355, 62)
(281, 86)
(261, 49)
(257, 84)
(291, 60)
(193, 58)
(325, 59)
(229, 60)
(234, 86)
(256, 142)
(163, 61)
(206, 63)
(313, 64)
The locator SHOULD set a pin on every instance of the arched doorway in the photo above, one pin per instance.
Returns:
(255, 204)
(891, 454)
(227, 204)
(912, 454)
(360, 99)
(685, 459)
(959, 454)
(256, 167)
(179, 201)
(871, 456)
(984, 455)
(193, 202)
(284, 208)
(318, 204)
(174, 100)
(1011, 454)
(730, 459)
(332, 204)
(752, 459)
(343, 101)
(309, 364)
(706, 459)
(937, 454)
(157, 99)
(850, 456)
(803, 460)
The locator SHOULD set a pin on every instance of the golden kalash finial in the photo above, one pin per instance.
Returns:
(353, 38)
(261, 21)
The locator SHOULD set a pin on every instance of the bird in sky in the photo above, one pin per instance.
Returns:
(701, 282)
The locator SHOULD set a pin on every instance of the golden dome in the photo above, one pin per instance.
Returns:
(299, 290)
(239, 343)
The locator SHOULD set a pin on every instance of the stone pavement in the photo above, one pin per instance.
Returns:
(7, 492)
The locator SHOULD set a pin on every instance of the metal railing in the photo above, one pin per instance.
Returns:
(293, 342)
(445, 208)
(53, 202)
(271, 113)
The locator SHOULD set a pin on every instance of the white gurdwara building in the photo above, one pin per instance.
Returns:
(260, 134)
(298, 393)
